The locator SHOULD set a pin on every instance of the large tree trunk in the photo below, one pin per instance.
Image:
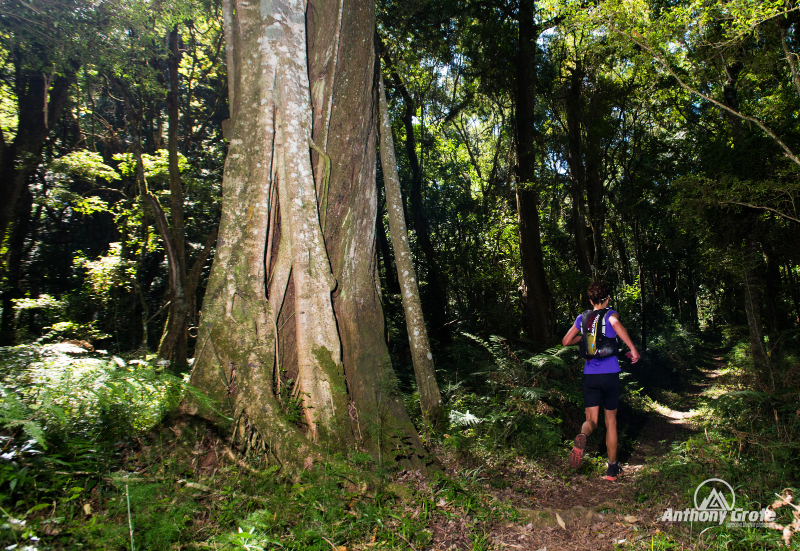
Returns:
(274, 209)
(535, 291)
(40, 102)
(429, 396)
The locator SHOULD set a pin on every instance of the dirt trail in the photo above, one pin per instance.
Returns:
(568, 510)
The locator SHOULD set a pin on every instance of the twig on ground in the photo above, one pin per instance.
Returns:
(329, 543)
(411, 545)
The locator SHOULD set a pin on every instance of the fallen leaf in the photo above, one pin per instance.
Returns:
(87, 508)
(630, 518)
(561, 522)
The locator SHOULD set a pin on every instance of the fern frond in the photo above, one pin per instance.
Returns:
(530, 394)
(464, 419)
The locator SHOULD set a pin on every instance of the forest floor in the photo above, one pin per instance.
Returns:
(190, 490)
(563, 509)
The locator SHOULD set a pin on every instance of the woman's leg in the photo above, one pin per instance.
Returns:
(592, 415)
(611, 434)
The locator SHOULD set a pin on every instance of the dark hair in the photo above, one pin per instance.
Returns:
(598, 292)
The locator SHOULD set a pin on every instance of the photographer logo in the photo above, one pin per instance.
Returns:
(718, 505)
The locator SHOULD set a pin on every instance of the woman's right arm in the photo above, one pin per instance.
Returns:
(573, 336)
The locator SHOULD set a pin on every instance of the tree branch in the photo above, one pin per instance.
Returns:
(759, 207)
(194, 273)
(789, 153)
(790, 60)
(458, 108)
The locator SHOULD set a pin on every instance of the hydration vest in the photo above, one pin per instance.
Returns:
(595, 344)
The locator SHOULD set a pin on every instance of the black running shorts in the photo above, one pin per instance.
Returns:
(601, 389)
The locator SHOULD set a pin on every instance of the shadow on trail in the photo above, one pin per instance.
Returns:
(676, 390)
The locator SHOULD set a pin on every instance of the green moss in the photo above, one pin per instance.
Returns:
(325, 360)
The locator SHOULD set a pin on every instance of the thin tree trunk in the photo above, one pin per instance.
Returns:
(637, 243)
(535, 291)
(621, 250)
(173, 342)
(140, 289)
(794, 289)
(383, 246)
(438, 295)
(424, 370)
(595, 193)
(752, 296)
(577, 173)
(772, 290)
(579, 230)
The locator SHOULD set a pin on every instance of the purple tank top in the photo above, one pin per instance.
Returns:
(603, 365)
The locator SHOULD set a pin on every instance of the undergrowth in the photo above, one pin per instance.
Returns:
(744, 432)
(88, 461)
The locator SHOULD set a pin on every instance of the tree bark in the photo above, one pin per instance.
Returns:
(429, 396)
(350, 101)
(536, 296)
(285, 82)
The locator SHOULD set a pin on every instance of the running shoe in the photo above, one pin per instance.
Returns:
(576, 455)
(613, 471)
